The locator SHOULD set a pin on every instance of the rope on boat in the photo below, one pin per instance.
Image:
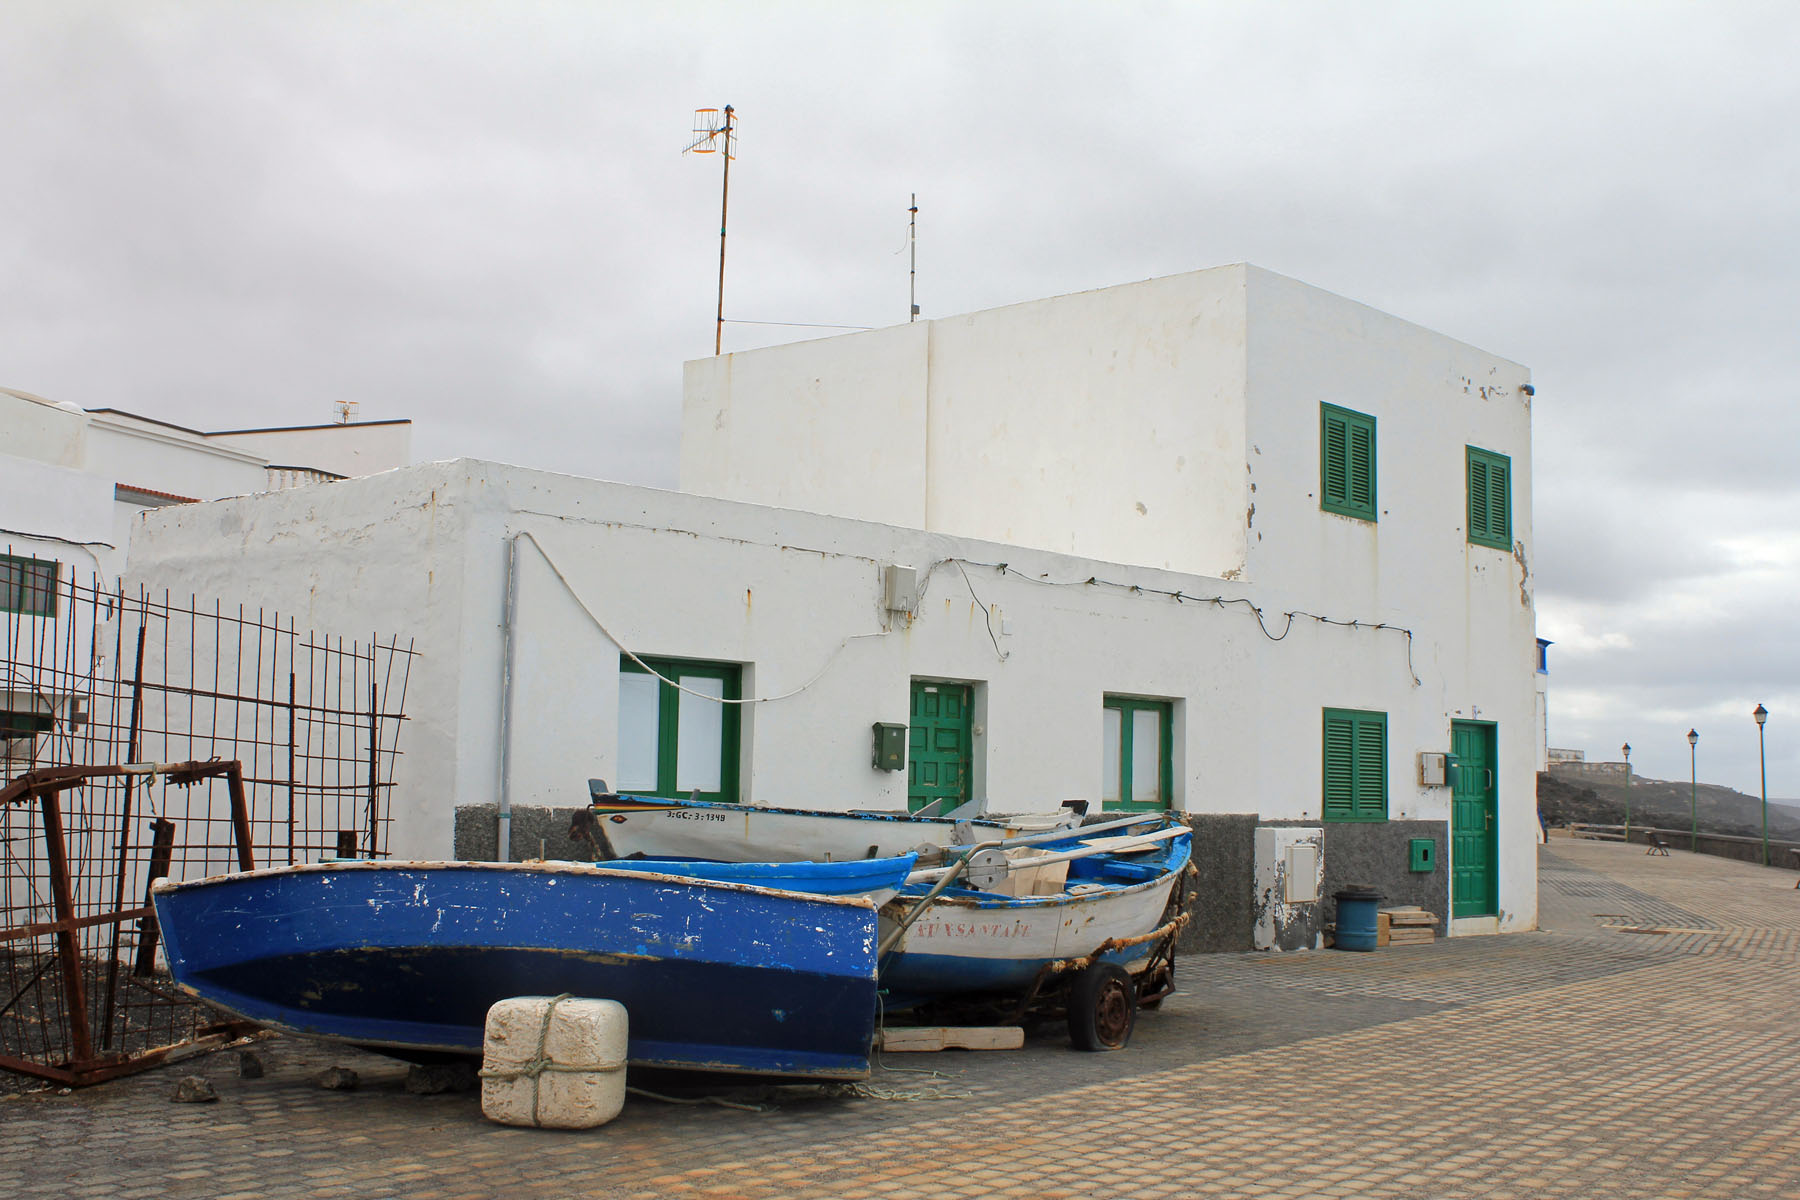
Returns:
(875, 1091)
(718, 1100)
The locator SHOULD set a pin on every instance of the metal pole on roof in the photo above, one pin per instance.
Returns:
(711, 137)
(912, 279)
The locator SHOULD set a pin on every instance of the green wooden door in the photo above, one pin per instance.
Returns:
(1474, 816)
(937, 747)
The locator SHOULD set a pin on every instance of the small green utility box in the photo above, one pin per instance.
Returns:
(1422, 854)
(890, 746)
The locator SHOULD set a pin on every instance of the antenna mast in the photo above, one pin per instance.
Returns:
(710, 136)
(912, 274)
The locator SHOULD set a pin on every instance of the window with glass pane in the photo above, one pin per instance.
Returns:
(678, 733)
(1136, 754)
(28, 585)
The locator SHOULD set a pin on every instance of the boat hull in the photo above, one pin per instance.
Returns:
(966, 944)
(661, 828)
(409, 957)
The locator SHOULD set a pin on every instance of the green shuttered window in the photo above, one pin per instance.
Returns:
(1346, 462)
(1355, 765)
(1490, 499)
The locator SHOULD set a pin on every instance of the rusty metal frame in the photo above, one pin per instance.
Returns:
(88, 1063)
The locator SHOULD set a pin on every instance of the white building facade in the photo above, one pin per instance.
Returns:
(1222, 543)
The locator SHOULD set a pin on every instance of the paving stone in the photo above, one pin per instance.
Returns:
(1641, 1046)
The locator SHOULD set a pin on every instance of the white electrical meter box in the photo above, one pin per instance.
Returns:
(1431, 769)
(900, 588)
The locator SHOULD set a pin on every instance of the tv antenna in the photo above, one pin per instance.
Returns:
(912, 274)
(345, 410)
(711, 136)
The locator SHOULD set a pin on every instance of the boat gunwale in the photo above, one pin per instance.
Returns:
(166, 886)
(961, 898)
(665, 804)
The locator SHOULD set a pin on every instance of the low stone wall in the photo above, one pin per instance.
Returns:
(536, 833)
(1376, 855)
(1219, 896)
(1744, 849)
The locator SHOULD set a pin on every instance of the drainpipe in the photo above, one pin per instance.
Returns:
(504, 832)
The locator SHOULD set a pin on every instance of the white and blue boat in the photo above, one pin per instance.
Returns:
(1080, 915)
(625, 825)
(407, 957)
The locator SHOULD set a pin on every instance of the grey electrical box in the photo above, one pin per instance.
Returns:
(890, 746)
(1431, 769)
(900, 588)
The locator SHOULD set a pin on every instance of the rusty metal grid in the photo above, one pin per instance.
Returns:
(311, 724)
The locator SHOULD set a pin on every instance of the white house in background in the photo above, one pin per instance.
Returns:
(72, 479)
(1222, 542)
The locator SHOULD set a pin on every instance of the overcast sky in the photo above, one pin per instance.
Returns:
(477, 216)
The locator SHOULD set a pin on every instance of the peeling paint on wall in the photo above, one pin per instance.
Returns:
(1286, 919)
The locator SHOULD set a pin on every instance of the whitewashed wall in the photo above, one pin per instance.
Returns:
(139, 453)
(356, 448)
(1107, 424)
(1470, 606)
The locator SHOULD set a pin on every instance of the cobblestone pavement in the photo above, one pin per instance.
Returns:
(1646, 1044)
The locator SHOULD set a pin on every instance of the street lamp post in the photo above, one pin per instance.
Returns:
(1627, 750)
(1762, 714)
(1693, 794)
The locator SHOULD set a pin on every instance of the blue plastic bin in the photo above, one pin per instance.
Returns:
(1357, 922)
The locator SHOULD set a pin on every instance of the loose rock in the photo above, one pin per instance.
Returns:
(192, 1089)
(338, 1079)
(423, 1080)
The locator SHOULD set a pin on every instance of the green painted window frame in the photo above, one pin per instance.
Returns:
(28, 585)
(1490, 498)
(668, 719)
(1347, 462)
(1126, 706)
(1353, 765)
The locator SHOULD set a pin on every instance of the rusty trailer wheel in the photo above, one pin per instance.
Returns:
(1102, 1008)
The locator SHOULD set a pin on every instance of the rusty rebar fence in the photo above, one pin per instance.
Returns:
(300, 731)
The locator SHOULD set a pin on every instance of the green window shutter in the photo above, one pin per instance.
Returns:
(1335, 469)
(1362, 467)
(1490, 499)
(1347, 462)
(1355, 765)
(1340, 768)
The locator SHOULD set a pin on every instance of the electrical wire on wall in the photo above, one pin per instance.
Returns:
(1005, 569)
(676, 684)
(1220, 601)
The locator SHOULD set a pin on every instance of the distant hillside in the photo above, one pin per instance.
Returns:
(1570, 796)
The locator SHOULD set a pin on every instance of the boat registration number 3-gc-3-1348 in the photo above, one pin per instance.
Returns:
(685, 815)
(964, 930)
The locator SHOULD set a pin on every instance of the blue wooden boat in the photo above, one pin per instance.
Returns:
(407, 957)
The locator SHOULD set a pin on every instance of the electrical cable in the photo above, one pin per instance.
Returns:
(677, 685)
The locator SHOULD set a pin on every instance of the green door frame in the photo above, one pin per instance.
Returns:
(1127, 707)
(669, 721)
(1475, 820)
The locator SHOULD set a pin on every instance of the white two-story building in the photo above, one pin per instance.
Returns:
(1222, 543)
